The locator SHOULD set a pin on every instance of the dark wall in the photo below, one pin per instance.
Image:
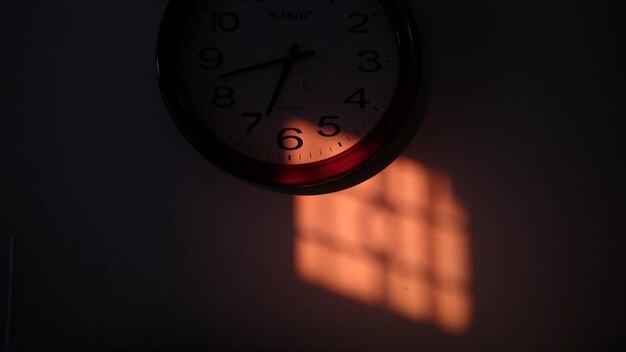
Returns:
(127, 239)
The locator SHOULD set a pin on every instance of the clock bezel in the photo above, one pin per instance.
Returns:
(346, 169)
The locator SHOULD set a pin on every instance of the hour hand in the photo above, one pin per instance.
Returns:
(282, 60)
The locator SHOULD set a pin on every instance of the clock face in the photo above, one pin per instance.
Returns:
(288, 92)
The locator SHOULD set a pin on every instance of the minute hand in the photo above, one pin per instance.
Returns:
(282, 60)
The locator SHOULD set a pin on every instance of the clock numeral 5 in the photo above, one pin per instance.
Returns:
(287, 141)
(324, 123)
(223, 97)
(357, 97)
(211, 58)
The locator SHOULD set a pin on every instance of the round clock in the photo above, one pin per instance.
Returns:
(297, 95)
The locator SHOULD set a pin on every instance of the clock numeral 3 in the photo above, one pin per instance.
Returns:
(223, 97)
(324, 123)
(287, 141)
(211, 58)
(357, 97)
(227, 21)
(357, 27)
(373, 61)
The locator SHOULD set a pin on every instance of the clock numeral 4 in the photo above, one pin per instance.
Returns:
(357, 97)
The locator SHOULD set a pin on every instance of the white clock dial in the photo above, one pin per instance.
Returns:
(289, 82)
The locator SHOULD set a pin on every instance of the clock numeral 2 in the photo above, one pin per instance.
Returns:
(357, 97)
(357, 27)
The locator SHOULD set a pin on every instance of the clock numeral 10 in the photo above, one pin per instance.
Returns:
(226, 21)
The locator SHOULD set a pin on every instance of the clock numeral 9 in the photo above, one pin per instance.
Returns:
(357, 27)
(357, 97)
(227, 21)
(211, 58)
(287, 141)
(373, 61)
(223, 97)
(324, 123)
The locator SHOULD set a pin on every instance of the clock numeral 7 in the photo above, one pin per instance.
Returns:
(357, 97)
(257, 118)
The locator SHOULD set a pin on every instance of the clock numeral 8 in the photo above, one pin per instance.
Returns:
(223, 97)
(286, 142)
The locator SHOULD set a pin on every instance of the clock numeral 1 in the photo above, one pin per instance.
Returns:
(325, 123)
(357, 27)
(357, 97)
(287, 141)
(257, 118)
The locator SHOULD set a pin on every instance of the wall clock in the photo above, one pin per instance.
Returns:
(300, 96)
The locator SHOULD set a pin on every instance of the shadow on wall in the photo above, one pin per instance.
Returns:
(397, 241)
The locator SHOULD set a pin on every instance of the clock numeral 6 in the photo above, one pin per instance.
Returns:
(373, 61)
(211, 58)
(226, 21)
(287, 141)
(324, 123)
(223, 97)
(357, 97)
